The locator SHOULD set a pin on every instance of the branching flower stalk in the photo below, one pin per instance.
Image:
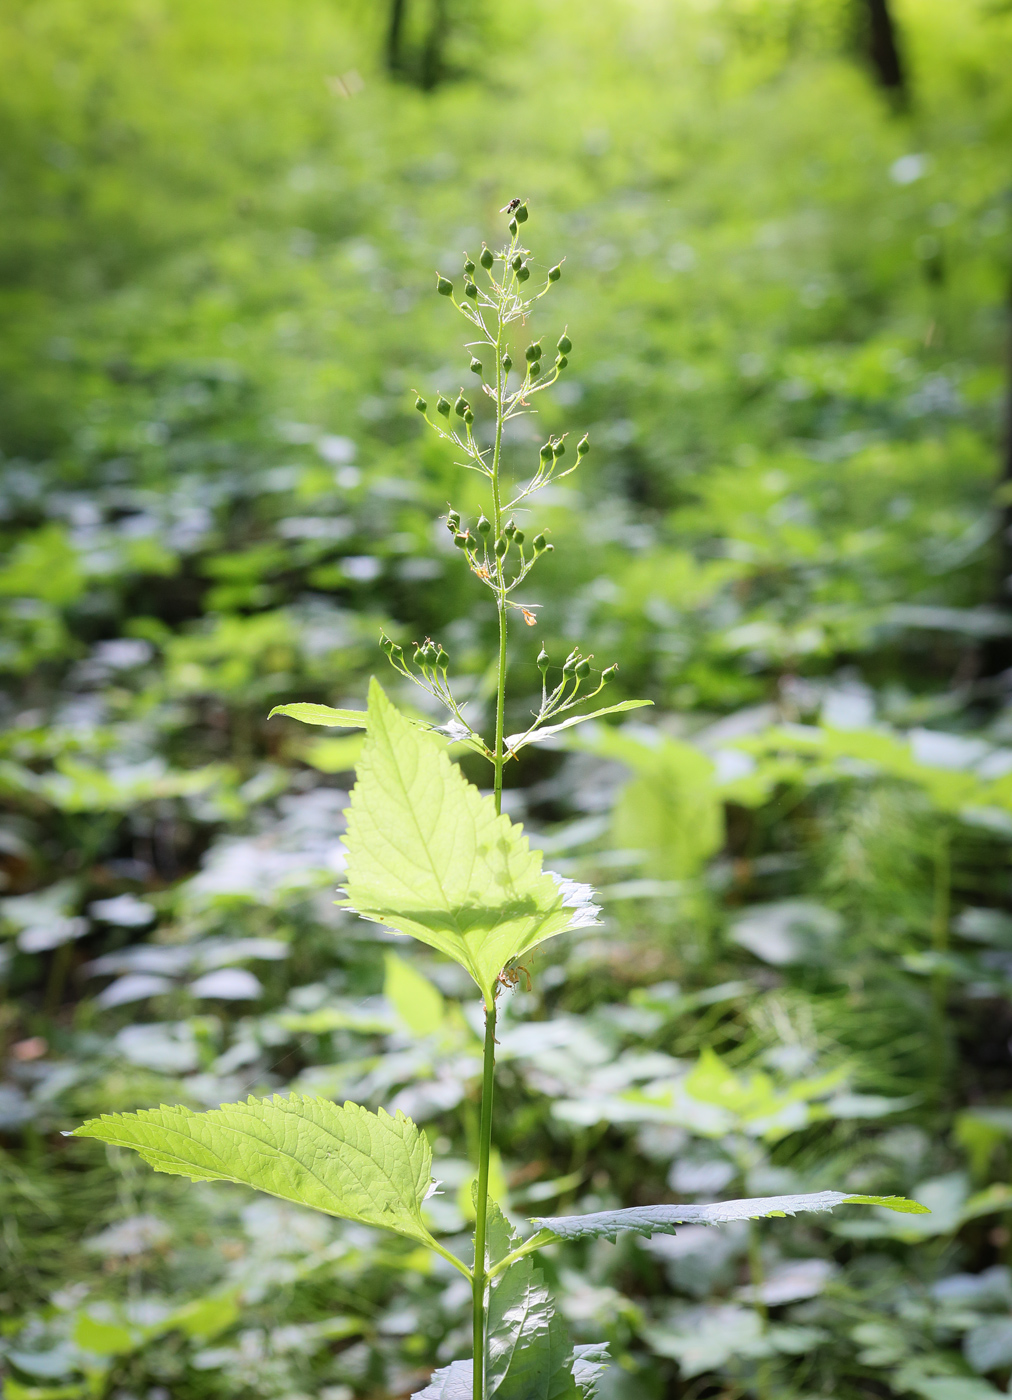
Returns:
(431, 858)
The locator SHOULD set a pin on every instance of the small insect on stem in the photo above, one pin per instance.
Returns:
(510, 977)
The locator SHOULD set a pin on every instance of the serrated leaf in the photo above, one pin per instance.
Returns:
(307, 713)
(368, 1167)
(590, 1362)
(429, 857)
(664, 1220)
(516, 742)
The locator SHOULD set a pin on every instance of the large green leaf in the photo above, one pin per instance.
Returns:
(429, 857)
(363, 1166)
(326, 715)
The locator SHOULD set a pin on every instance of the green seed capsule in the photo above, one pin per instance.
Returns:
(468, 266)
(517, 263)
(507, 364)
(420, 404)
(501, 546)
(564, 344)
(569, 667)
(583, 669)
(510, 528)
(461, 406)
(453, 520)
(546, 452)
(609, 673)
(462, 541)
(443, 406)
(533, 351)
(417, 655)
(396, 653)
(535, 369)
(512, 225)
(484, 525)
(486, 258)
(543, 662)
(549, 548)
(444, 286)
(470, 290)
(518, 537)
(524, 273)
(559, 449)
(522, 215)
(539, 543)
(468, 417)
(583, 446)
(386, 645)
(428, 654)
(442, 660)
(554, 273)
(561, 361)
(475, 365)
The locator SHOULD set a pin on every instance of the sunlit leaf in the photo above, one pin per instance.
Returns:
(516, 742)
(429, 857)
(306, 713)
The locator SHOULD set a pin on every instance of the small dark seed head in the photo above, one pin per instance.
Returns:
(543, 661)
(539, 543)
(535, 369)
(569, 667)
(443, 406)
(609, 673)
(510, 528)
(533, 351)
(546, 452)
(523, 273)
(442, 660)
(583, 669)
(561, 361)
(522, 214)
(583, 446)
(470, 290)
(462, 541)
(518, 537)
(554, 273)
(517, 262)
(444, 286)
(512, 225)
(486, 258)
(461, 406)
(501, 546)
(453, 520)
(484, 525)
(468, 417)
(564, 344)
(468, 266)
(507, 363)
(420, 404)
(475, 365)
(559, 450)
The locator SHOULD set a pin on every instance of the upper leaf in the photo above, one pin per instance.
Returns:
(322, 714)
(429, 857)
(664, 1220)
(363, 1166)
(516, 742)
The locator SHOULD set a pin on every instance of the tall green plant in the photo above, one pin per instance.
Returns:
(430, 857)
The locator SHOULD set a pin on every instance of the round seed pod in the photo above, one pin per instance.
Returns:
(543, 662)
(470, 290)
(568, 667)
(564, 344)
(559, 450)
(540, 543)
(549, 548)
(554, 273)
(468, 266)
(518, 537)
(486, 258)
(386, 645)
(517, 262)
(501, 546)
(443, 406)
(510, 528)
(453, 520)
(546, 452)
(417, 655)
(583, 446)
(397, 652)
(609, 673)
(561, 361)
(484, 525)
(523, 273)
(428, 653)
(512, 225)
(522, 214)
(442, 660)
(533, 351)
(444, 286)
(583, 669)
(535, 369)
(463, 541)
(475, 365)
(468, 417)
(507, 364)
(420, 404)
(461, 406)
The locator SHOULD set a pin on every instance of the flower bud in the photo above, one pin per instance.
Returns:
(543, 661)
(583, 669)
(539, 543)
(501, 546)
(561, 361)
(512, 226)
(533, 351)
(444, 286)
(522, 214)
(554, 273)
(484, 525)
(546, 452)
(443, 406)
(461, 406)
(583, 446)
(518, 537)
(564, 344)
(420, 404)
(470, 290)
(609, 673)
(486, 258)
(475, 365)
(517, 262)
(507, 364)
(523, 273)
(442, 660)
(468, 266)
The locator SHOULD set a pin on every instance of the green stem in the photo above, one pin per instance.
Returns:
(481, 1206)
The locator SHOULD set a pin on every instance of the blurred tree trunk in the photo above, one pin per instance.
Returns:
(432, 54)
(395, 35)
(996, 653)
(884, 49)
